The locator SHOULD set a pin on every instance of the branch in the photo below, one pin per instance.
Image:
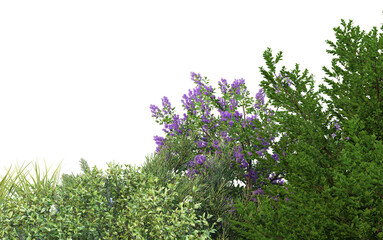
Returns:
(379, 194)
(318, 191)
(292, 99)
(340, 148)
(265, 234)
(377, 84)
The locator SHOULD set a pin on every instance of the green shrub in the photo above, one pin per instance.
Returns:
(124, 204)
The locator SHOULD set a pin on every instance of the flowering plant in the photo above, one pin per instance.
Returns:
(230, 124)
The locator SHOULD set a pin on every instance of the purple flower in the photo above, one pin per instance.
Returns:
(199, 159)
(223, 86)
(165, 102)
(276, 87)
(258, 191)
(275, 156)
(155, 111)
(159, 141)
(244, 164)
(337, 126)
(234, 104)
(222, 102)
(260, 97)
(193, 76)
(232, 210)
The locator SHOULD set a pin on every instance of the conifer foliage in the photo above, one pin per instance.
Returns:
(333, 159)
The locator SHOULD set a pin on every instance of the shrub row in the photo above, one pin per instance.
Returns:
(124, 204)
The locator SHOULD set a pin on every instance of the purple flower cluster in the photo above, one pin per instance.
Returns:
(259, 191)
(229, 201)
(200, 164)
(260, 96)
(336, 125)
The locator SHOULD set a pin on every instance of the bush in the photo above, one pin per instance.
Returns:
(124, 204)
(215, 189)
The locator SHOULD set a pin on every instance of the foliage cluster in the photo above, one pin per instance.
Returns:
(338, 193)
(124, 204)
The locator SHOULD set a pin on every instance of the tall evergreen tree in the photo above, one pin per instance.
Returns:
(332, 160)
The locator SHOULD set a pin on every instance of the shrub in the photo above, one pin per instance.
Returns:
(124, 204)
(215, 189)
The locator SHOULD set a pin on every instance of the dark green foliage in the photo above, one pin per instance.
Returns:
(336, 182)
(360, 92)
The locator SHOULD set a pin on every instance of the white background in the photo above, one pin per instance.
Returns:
(77, 78)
